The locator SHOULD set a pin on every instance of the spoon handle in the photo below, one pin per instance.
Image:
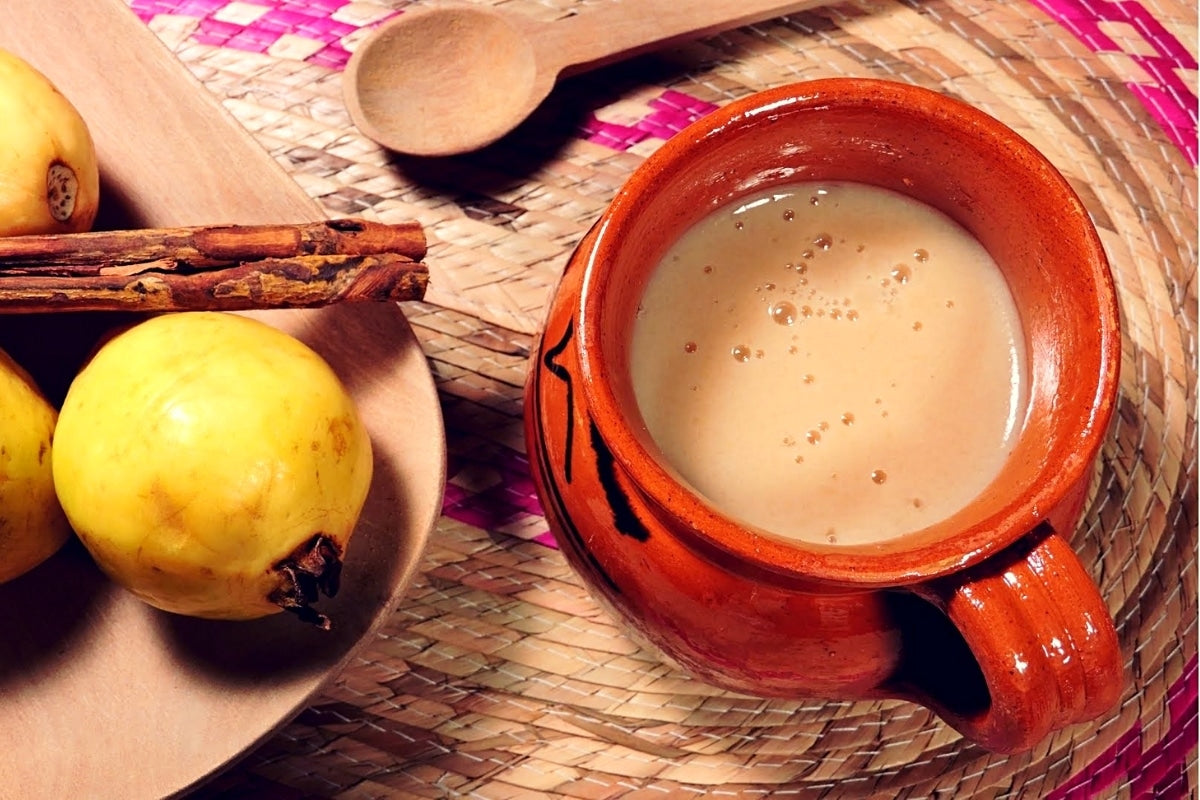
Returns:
(605, 33)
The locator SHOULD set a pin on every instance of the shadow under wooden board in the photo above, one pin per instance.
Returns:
(105, 697)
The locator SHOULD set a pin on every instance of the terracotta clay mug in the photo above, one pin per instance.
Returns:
(987, 617)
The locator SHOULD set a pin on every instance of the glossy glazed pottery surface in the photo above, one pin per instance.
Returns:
(987, 617)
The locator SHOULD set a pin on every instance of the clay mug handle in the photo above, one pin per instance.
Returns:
(1043, 640)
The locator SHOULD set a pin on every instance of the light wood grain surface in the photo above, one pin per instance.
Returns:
(168, 151)
(103, 696)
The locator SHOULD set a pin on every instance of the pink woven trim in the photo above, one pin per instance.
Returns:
(1154, 773)
(1169, 98)
(312, 20)
(509, 498)
(670, 113)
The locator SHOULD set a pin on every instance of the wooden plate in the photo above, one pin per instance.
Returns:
(104, 697)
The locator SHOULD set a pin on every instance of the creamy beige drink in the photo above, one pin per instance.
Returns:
(831, 362)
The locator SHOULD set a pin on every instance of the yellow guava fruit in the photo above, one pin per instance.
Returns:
(32, 525)
(49, 179)
(213, 465)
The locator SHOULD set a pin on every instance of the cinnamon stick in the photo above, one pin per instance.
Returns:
(218, 268)
(305, 281)
(204, 246)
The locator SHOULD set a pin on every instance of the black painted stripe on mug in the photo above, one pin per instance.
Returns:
(553, 495)
(561, 372)
(624, 518)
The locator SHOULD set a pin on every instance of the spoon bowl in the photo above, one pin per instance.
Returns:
(444, 79)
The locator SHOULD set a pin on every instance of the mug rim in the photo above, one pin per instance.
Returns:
(919, 555)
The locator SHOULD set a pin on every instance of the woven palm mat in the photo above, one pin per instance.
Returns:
(498, 677)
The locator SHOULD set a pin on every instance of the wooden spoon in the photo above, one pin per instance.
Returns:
(447, 79)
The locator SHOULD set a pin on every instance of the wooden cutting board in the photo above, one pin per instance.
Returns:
(101, 696)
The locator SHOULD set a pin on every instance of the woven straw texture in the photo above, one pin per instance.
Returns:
(498, 677)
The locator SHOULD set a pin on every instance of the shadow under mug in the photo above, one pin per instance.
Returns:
(987, 617)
